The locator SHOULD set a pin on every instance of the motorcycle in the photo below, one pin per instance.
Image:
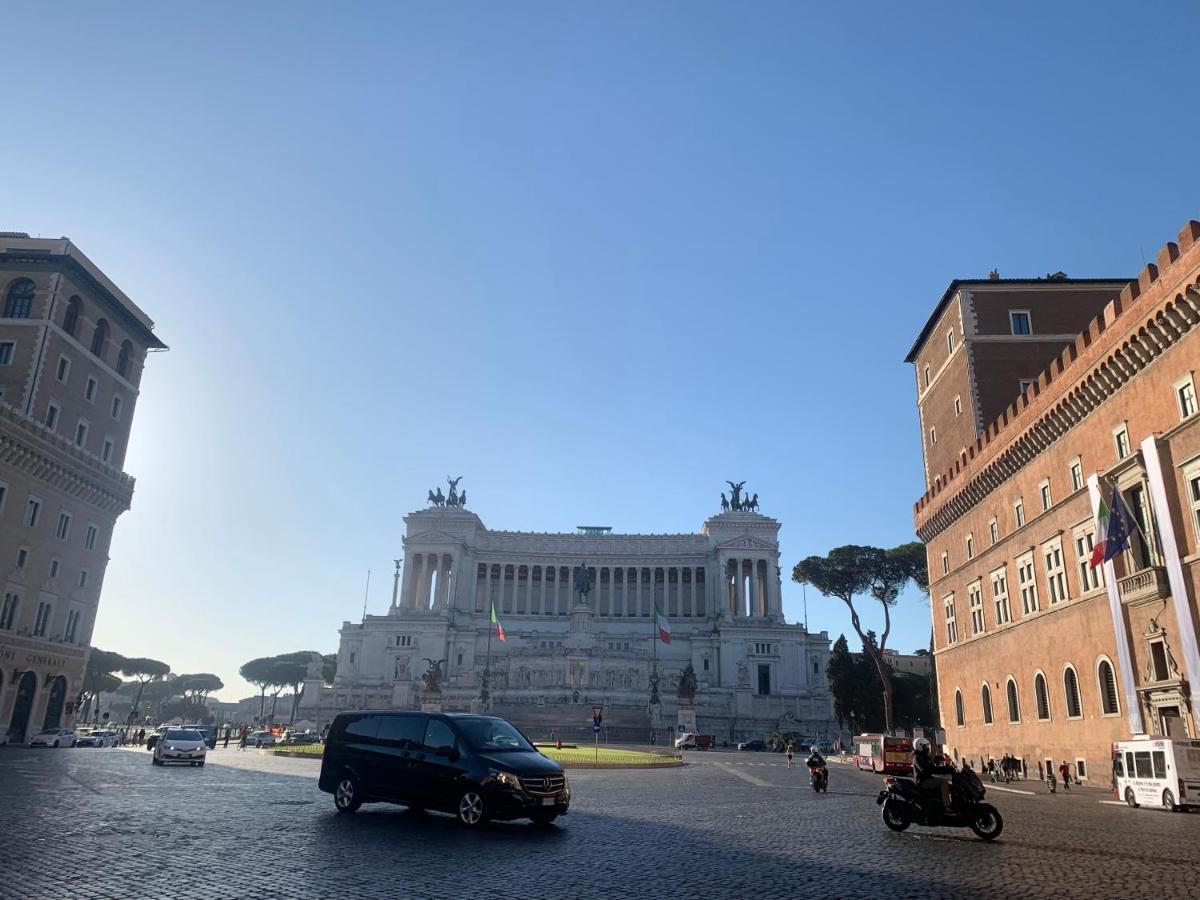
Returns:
(818, 778)
(904, 804)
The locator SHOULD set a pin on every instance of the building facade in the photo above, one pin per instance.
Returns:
(566, 651)
(72, 351)
(1039, 654)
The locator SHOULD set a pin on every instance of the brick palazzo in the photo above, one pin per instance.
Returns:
(1024, 424)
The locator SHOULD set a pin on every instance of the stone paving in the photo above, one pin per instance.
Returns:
(105, 823)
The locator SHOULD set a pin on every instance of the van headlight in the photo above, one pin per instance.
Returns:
(507, 779)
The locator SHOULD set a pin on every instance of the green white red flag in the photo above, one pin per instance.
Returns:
(663, 625)
(1101, 533)
(496, 622)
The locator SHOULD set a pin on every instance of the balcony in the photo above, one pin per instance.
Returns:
(1144, 586)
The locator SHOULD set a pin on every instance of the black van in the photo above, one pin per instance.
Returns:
(477, 767)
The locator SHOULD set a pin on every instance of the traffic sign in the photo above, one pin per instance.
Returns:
(596, 727)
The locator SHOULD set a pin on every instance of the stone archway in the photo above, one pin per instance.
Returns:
(19, 723)
(54, 705)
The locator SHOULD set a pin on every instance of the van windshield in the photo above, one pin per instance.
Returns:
(492, 734)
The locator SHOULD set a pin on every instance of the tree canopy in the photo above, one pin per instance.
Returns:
(198, 686)
(852, 570)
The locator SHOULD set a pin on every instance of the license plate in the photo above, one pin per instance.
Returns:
(547, 801)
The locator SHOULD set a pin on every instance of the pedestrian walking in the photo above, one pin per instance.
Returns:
(1064, 772)
(791, 750)
(225, 746)
(242, 741)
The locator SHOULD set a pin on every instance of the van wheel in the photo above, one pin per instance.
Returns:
(345, 795)
(1169, 802)
(472, 809)
(1129, 797)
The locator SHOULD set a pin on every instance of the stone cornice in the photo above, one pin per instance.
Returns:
(1149, 317)
(47, 457)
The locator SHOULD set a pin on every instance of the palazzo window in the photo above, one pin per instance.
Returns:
(975, 596)
(945, 563)
(958, 406)
(1071, 691)
(1044, 491)
(71, 319)
(1014, 703)
(999, 580)
(951, 624)
(1185, 393)
(1089, 578)
(8, 612)
(993, 531)
(1019, 513)
(1026, 581)
(1042, 697)
(1018, 320)
(19, 302)
(6, 352)
(950, 341)
(986, 696)
(1076, 474)
(72, 626)
(1108, 689)
(100, 338)
(970, 546)
(959, 718)
(42, 620)
(123, 358)
(1193, 492)
(1056, 574)
(1121, 440)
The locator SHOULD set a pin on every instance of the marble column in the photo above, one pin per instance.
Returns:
(487, 589)
(406, 582)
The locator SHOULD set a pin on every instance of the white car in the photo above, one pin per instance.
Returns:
(261, 739)
(54, 737)
(179, 745)
(98, 738)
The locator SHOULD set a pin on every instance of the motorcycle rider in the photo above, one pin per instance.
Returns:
(926, 771)
(817, 761)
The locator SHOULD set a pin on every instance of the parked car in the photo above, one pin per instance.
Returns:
(261, 739)
(209, 732)
(300, 737)
(692, 741)
(756, 745)
(98, 738)
(179, 745)
(54, 737)
(477, 767)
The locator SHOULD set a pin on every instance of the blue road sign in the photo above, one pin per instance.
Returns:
(596, 727)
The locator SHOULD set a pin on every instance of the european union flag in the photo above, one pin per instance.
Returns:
(1121, 526)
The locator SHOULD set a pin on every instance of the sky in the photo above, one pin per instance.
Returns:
(596, 258)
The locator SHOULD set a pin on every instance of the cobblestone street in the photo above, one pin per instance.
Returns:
(105, 823)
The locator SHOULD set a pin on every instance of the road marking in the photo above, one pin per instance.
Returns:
(996, 787)
(1113, 802)
(743, 775)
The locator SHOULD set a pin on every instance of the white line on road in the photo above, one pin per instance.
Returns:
(1113, 802)
(996, 787)
(743, 775)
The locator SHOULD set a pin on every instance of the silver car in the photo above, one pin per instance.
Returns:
(179, 745)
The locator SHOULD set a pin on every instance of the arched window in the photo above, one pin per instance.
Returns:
(958, 707)
(1108, 688)
(123, 358)
(19, 302)
(99, 337)
(1071, 689)
(1014, 706)
(71, 319)
(1042, 696)
(987, 705)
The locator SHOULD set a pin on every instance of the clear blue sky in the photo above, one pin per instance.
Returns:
(595, 257)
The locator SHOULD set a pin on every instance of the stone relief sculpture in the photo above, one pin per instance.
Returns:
(743, 674)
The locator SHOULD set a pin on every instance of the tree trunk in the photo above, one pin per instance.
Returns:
(262, 704)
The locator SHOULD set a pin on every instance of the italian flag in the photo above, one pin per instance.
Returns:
(496, 622)
(663, 625)
(1101, 533)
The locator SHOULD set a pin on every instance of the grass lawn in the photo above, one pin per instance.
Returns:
(568, 757)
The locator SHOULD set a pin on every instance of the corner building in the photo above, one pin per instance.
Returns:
(1038, 654)
(719, 588)
(72, 351)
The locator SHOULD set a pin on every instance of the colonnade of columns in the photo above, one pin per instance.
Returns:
(616, 591)
(427, 580)
(749, 588)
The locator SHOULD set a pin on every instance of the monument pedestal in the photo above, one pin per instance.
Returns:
(686, 717)
(431, 701)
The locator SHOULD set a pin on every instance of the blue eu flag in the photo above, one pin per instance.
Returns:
(1121, 526)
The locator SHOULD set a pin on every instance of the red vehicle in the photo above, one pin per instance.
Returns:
(693, 741)
(883, 753)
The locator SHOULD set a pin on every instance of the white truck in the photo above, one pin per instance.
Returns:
(1157, 771)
